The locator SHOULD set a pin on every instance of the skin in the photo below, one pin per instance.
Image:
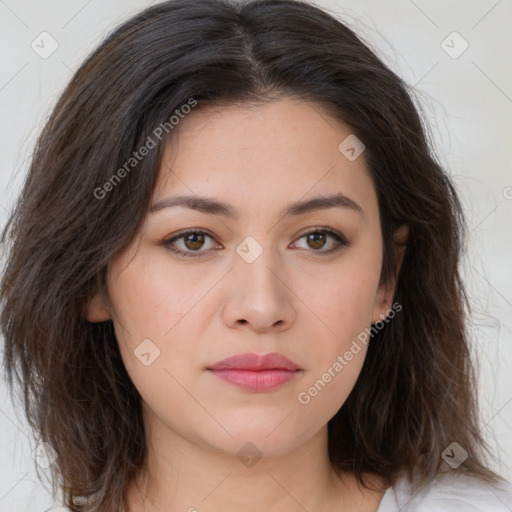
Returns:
(293, 299)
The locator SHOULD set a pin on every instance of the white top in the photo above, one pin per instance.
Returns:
(447, 492)
(451, 492)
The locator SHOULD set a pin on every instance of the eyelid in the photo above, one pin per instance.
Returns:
(340, 240)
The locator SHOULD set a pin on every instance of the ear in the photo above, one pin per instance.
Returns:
(386, 291)
(97, 311)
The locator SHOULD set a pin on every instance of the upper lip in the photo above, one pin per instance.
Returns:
(255, 362)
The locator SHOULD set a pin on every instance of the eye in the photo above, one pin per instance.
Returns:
(192, 241)
(317, 240)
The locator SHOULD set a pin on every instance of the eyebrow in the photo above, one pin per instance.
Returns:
(212, 206)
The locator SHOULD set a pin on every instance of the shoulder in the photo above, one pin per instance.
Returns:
(452, 491)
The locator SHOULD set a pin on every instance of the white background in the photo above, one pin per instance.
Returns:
(467, 100)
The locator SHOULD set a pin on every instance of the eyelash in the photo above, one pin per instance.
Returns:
(340, 240)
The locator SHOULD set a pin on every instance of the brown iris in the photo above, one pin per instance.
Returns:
(194, 241)
(316, 238)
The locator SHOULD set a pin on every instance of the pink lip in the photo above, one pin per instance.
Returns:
(255, 372)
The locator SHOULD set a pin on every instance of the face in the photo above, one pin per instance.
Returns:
(252, 277)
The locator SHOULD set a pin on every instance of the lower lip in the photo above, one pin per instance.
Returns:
(263, 380)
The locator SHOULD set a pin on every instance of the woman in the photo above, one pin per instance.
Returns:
(232, 280)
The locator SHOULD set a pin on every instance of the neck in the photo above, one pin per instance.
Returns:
(182, 475)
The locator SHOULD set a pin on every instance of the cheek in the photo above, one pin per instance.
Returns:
(155, 302)
(344, 304)
(344, 299)
(328, 386)
(149, 310)
(150, 298)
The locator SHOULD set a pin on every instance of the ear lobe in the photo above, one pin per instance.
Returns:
(386, 291)
(96, 310)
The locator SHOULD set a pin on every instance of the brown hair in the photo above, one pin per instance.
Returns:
(416, 393)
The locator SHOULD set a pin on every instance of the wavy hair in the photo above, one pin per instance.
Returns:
(416, 392)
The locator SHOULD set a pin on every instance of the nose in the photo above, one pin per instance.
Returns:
(259, 295)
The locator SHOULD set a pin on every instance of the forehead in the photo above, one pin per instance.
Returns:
(262, 155)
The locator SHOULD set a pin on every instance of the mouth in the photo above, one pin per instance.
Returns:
(257, 380)
(255, 372)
